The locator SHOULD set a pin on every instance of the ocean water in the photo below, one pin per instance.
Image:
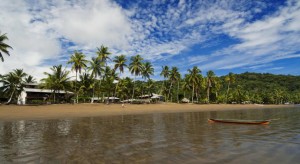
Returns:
(155, 138)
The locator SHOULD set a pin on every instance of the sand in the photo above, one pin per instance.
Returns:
(60, 111)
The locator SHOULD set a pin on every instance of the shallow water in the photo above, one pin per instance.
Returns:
(155, 138)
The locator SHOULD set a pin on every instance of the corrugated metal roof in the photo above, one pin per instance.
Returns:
(45, 90)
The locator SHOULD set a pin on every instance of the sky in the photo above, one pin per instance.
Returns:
(220, 35)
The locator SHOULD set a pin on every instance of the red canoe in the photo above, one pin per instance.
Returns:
(235, 121)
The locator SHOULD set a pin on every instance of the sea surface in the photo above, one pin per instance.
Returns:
(155, 138)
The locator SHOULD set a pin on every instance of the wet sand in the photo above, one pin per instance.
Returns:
(60, 111)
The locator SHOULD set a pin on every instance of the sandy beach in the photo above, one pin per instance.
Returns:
(58, 111)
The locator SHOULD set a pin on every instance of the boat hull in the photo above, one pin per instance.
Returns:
(234, 121)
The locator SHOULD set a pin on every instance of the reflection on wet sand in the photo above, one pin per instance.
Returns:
(154, 138)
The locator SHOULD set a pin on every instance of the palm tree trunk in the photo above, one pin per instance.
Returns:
(227, 92)
(170, 91)
(99, 94)
(76, 89)
(92, 100)
(193, 94)
(116, 87)
(10, 98)
(133, 88)
(54, 97)
(177, 92)
(207, 94)
(161, 89)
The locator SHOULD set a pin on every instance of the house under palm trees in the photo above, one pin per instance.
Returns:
(32, 94)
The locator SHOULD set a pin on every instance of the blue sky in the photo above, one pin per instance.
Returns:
(222, 35)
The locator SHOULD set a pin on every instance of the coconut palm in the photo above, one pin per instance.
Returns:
(4, 46)
(120, 63)
(86, 85)
(147, 70)
(57, 80)
(13, 83)
(150, 86)
(210, 78)
(165, 73)
(122, 89)
(29, 79)
(78, 62)
(174, 76)
(194, 78)
(217, 87)
(186, 86)
(96, 68)
(135, 67)
(109, 77)
(103, 54)
(230, 79)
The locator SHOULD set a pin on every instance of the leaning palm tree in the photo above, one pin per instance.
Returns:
(230, 79)
(13, 83)
(57, 80)
(78, 62)
(96, 68)
(194, 78)
(135, 67)
(210, 77)
(120, 63)
(3, 46)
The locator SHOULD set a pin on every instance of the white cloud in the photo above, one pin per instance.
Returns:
(34, 30)
(263, 41)
(45, 33)
(31, 42)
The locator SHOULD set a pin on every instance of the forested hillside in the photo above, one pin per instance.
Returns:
(264, 88)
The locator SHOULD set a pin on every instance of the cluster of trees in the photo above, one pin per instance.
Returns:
(98, 79)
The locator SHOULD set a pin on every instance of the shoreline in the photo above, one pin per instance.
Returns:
(62, 111)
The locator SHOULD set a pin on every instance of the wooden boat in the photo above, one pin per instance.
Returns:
(236, 121)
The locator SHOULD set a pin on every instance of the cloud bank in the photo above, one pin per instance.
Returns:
(216, 35)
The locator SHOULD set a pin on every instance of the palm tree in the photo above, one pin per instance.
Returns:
(150, 86)
(3, 46)
(29, 79)
(230, 79)
(210, 77)
(135, 67)
(122, 89)
(120, 63)
(79, 62)
(173, 77)
(147, 70)
(109, 77)
(194, 78)
(103, 54)
(96, 68)
(86, 85)
(57, 80)
(13, 83)
(186, 86)
(165, 73)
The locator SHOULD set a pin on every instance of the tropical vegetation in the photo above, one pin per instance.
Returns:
(103, 77)
(3, 46)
